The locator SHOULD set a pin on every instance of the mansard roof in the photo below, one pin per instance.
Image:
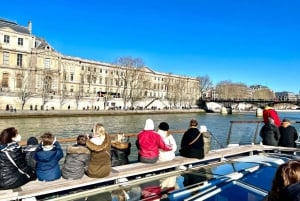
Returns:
(14, 26)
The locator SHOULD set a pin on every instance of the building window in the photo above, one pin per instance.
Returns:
(47, 63)
(5, 80)
(19, 59)
(82, 79)
(20, 41)
(6, 38)
(82, 67)
(6, 58)
(19, 81)
(72, 77)
(100, 80)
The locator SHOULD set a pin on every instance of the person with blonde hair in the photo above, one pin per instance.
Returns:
(286, 174)
(99, 145)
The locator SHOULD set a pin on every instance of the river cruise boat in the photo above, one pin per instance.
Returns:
(233, 173)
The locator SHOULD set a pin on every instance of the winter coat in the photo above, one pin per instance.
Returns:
(76, 161)
(29, 152)
(288, 135)
(10, 177)
(148, 143)
(100, 162)
(119, 153)
(170, 141)
(270, 112)
(269, 134)
(195, 150)
(47, 163)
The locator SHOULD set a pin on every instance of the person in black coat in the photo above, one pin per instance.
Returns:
(288, 134)
(270, 134)
(192, 143)
(13, 167)
(120, 150)
(29, 151)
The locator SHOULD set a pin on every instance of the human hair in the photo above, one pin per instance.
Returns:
(193, 123)
(286, 174)
(81, 139)
(7, 135)
(99, 130)
(48, 138)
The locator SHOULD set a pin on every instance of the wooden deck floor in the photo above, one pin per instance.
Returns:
(38, 188)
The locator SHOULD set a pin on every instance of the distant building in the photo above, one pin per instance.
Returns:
(286, 96)
(33, 72)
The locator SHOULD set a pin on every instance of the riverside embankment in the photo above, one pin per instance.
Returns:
(76, 113)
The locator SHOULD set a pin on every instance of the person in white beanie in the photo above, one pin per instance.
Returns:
(168, 138)
(149, 142)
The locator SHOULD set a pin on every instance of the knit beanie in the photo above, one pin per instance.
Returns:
(164, 126)
(149, 125)
(32, 141)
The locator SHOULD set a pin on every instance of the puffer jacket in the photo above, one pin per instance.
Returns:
(10, 177)
(149, 142)
(119, 154)
(76, 162)
(269, 134)
(47, 163)
(100, 162)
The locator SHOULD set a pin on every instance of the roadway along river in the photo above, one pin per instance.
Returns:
(70, 127)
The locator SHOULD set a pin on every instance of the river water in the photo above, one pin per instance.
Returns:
(219, 125)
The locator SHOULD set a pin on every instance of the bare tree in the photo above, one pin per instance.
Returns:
(205, 83)
(263, 93)
(23, 85)
(228, 90)
(130, 68)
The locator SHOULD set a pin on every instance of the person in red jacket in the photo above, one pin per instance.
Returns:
(270, 112)
(149, 142)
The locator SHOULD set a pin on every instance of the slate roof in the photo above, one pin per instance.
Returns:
(14, 26)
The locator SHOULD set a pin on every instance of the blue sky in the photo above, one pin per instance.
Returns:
(248, 41)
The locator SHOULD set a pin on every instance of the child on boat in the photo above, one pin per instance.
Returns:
(29, 150)
(120, 150)
(47, 158)
(76, 160)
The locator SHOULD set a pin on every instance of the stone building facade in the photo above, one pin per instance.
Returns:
(33, 75)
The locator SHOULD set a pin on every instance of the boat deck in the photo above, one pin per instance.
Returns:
(39, 188)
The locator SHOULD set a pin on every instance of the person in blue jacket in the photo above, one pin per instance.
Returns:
(47, 157)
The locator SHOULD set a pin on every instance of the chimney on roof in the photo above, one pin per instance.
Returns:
(30, 26)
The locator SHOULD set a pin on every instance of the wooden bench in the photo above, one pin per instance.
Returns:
(38, 188)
